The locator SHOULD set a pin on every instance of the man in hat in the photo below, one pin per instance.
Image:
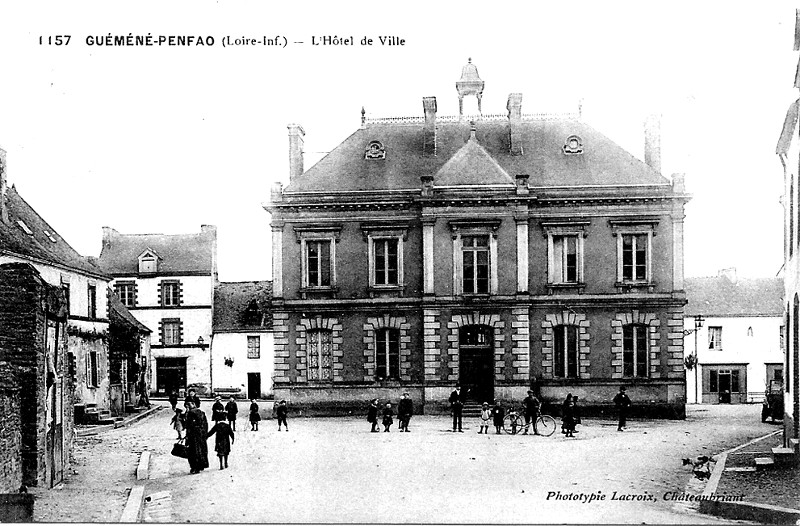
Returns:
(404, 411)
(532, 405)
(623, 403)
(456, 405)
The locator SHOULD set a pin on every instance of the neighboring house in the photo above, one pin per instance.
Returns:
(242, 343)
(739, 345)
(511, 252)
(788, 150)
(25, 237)
(129, 356)
(167, 283)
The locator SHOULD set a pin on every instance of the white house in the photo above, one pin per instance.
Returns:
(167, 282)
(733, 343)
(242, 342)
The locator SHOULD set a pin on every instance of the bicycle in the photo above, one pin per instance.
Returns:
(514, 422)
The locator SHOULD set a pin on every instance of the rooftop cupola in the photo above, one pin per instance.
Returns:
(470, 84)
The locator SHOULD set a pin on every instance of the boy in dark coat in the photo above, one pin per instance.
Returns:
(404, 411)
(387, 417)
(282, 413)
(255, 418)
(231, 409)
(372, 415)
(623, 403)
(498, 413)
(224, 439)
(218, 410)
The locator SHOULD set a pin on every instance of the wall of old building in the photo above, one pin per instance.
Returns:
(234, 345)
(10, 431)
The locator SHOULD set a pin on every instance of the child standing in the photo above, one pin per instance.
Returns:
(232, 409)
(254, 416)
(486, 415)
(224, 439)
(498, 413)
(387, 417)
(177, 422)
(372, 415)
(283, 412)
(568, 419)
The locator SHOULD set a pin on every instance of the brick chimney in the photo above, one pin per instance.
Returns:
(296, 134)
(211, 230)
(108, 236)
(514, 107)
(3, 187)
(652, 142)
(429, 129)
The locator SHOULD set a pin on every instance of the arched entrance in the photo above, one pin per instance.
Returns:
(476, 362)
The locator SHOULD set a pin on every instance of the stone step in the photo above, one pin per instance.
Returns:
(764, 463)
(784, 455)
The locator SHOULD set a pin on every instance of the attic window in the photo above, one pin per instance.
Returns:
(375, 150)
(49, 236)
(573, 145)
(148, 263)
(24, 227)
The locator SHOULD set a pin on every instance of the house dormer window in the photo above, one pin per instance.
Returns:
(148, 262)
(375, 150)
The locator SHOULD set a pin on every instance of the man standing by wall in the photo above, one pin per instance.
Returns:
(623, 403)
(456, 404)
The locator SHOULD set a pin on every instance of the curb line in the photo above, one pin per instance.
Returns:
(133, 506)
(94, 430)
(750, 511)
(143, 469)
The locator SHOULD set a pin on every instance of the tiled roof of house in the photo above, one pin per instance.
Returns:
(243, 306)
(176, 252)
(602, 162)
(720, 296)
(38, 240)
(118, 310)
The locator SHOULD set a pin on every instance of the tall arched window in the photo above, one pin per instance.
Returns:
(319, 355)
(565, 351)
(634, 350)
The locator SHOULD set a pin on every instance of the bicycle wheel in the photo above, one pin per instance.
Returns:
(545, 425)
(513, 424)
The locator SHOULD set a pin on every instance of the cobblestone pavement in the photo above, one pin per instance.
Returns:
(333, 469)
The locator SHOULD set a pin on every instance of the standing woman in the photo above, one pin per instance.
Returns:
(564, 404)
(196, 431)
(218, 410)
(372, 415)
(255, 418)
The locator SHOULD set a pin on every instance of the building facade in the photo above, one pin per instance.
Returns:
(788, 150)
(129, 357)
(167, 282)
(501, 252)
(740, 341)
(242, 343)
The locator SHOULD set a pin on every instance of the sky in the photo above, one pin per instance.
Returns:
(163, 139)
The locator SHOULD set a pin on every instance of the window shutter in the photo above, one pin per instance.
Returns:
(88, 370)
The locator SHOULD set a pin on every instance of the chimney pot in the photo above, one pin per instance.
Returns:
(514, 107)
(429, 128)
(679, 183)
(522, 184)
(296, 134)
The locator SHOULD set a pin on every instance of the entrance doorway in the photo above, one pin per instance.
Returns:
(170, 374)
(253, 385)
(476, 363)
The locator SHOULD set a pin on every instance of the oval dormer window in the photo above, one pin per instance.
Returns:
(573, 145)
(375, 150)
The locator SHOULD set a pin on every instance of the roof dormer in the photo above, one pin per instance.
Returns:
(148, 262)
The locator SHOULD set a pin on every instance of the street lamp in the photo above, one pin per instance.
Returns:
(695, 361)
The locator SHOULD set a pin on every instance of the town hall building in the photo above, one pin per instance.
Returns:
(499, 252)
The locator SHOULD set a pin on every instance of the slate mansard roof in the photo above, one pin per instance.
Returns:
(719, 296)
(602, 163)
(243, 306)
(177, 253)
(43, 243)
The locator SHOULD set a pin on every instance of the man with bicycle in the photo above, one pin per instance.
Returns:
(532, 405)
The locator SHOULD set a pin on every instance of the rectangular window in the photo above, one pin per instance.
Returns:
(634, 351)
(715, 338)
(713, 384)
(565, 351)
(387, 354)
(126, 292)
(65, 288)
(319, 355)
(91, 369)
(171, 332)
(92, 301)
(254, 347)
(565, 259)
(386, 261)
(734, 381)
(475, 259)
(634, 257)
(318, 263)
(170, 293)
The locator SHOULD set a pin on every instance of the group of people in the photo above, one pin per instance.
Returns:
(405, 410)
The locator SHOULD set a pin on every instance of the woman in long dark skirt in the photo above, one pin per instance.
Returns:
(568, 417)
(196, 431)
(255, 418)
